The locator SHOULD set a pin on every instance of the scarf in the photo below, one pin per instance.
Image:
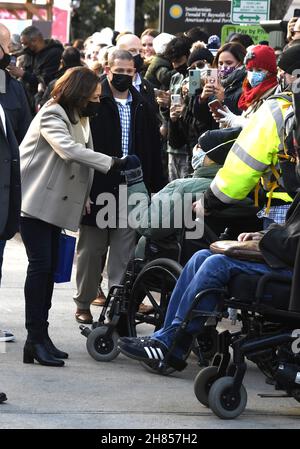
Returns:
(251, 94)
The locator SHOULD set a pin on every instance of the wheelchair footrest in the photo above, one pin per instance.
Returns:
(272, 395)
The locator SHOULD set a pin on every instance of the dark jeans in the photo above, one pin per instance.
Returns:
(41, 241)
(2, 246)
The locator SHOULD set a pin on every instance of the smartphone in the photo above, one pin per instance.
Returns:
(158, 92)
(212, 77)
(176, 99)
(194, 81)
(296, 13)
(13, 60)
(214, 106)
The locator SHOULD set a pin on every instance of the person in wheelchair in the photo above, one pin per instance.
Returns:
(205, 271)
(278, 245)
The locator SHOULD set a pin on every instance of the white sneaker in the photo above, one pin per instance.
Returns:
(6, 336)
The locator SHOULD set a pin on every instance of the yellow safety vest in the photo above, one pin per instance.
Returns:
(254, 155)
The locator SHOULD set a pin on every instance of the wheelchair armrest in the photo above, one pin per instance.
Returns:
(267, 279)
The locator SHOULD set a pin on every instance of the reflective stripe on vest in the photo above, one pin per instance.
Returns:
(248, 159)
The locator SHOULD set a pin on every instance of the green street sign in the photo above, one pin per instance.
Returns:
(249, 12)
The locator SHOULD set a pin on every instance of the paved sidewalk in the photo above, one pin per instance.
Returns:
(119, 394)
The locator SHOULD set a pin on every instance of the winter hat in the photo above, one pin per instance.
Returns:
(214, 42)
(200, 54)
(290, 59)
(161, 41)
(261, 57)
(218, 142)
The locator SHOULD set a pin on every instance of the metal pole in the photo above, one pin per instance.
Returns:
(125, 15)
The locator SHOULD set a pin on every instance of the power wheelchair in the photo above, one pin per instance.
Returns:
(268, 308)
(152, 276)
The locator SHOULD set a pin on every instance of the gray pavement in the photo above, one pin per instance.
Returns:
(86, 394)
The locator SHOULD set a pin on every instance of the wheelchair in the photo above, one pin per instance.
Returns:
(152, 276)
(268, 308)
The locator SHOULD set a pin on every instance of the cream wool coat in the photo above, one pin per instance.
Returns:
(57, 167)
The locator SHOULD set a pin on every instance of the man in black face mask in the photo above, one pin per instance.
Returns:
(12, 94)
(125, 125)
(133, 44)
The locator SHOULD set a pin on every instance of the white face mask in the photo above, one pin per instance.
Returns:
(204, 71)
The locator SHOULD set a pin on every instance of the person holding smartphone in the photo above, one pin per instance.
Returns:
(261, 82)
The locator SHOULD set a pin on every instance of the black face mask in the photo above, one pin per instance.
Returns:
(90, 110)
(182, 69)
(5, 61)
(121, 82)
(138, 63)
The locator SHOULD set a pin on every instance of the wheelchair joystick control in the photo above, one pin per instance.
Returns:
(232, 315)
(225, 235)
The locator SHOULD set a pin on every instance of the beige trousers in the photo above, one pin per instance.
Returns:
(93, 243)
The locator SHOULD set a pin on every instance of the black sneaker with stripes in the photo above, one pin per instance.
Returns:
(143, 349)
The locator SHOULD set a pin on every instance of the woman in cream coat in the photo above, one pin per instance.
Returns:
(57, 164)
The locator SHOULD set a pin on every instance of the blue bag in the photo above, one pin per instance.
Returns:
(65, 258)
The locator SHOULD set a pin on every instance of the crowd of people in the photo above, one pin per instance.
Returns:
(85, 116)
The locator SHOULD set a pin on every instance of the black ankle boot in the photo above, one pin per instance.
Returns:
(38, 352)
(53, 350)
(3, 397)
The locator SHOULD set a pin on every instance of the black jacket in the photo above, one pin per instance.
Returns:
(107, 138)
(233, 90)
(10, 183)
(41, 67)
(16, 106)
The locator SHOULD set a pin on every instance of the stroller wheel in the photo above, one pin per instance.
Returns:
(154, 368)
(101, 347)
(203, 383)
(224, 402)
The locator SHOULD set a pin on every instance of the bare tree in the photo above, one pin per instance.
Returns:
(279, 8)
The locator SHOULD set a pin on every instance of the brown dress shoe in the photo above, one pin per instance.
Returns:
(100, 300)
(84, 316)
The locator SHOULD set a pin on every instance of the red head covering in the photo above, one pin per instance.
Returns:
(261, 57)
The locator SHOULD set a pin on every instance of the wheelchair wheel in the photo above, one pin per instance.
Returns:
(203, 383)
(223, 402)
(154, 285)
(101, 347)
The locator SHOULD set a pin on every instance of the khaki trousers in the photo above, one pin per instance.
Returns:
(93, 243)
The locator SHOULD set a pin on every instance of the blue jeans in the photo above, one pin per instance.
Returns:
(203, 271)
(2, 246)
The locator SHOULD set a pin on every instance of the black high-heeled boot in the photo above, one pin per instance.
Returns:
(38, 352)
(53, 350)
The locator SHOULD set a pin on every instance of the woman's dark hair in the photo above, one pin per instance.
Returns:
(237, 50)
(197, 34)
(244, 39)
(73, 90)
(177, 48)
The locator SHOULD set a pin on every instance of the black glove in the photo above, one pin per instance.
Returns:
(118, 164)
(133, 171)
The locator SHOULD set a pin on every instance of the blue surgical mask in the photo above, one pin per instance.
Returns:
(255, 78)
